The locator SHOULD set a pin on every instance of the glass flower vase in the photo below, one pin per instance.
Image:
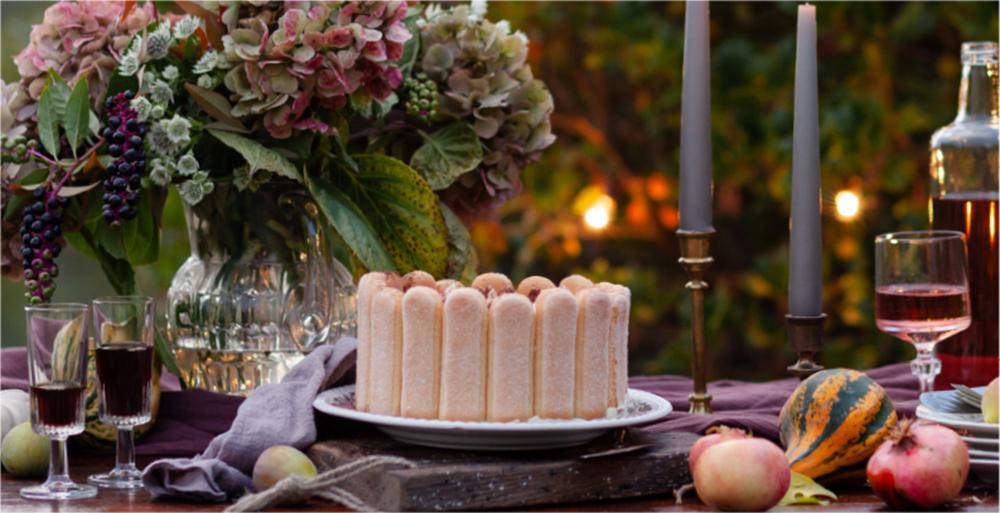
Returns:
(260, 290)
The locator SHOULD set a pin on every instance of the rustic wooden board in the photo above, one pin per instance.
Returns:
(464, 480)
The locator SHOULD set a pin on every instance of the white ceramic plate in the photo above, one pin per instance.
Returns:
(642, 408)
(967, 424)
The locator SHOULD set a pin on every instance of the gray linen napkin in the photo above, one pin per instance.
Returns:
(274, 414)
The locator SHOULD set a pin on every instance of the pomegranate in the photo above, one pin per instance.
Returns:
(712, 436)
(737, 473)
(918, 466)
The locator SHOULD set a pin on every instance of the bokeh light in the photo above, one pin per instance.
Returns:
(848, 205)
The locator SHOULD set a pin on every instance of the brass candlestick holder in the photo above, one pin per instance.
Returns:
(805, 337)
(695, 260)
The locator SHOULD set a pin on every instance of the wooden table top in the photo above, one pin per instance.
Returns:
(851, 499)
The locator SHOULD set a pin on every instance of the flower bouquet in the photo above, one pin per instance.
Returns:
(285, 127)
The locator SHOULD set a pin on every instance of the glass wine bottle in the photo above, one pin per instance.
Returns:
(965, 185)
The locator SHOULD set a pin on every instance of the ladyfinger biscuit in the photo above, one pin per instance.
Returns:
(555, 354)
(575, 283)
(621, 298)
(417, 278)
(509, 393)
(442, 286)
(463, 356)
(369, 285)
(593, 348)
(532, 286)
(386, 352)
(498, 281)
(421, 369)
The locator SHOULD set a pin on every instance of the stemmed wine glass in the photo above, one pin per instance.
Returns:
(123, 327)
(57, 375)
(922, 292)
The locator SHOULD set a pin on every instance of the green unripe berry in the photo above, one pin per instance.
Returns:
(20, 139)
(35, 300)
(21, 150)
(44, 277)
(424, 104)
(29, 274)
(54, 271)
(28, 296)
(37, 264)
(48, 291)
(33, 144)
(31, 285)
(47, 254)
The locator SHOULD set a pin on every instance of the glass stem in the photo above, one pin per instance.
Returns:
(126, 449)
(925, 367)
(58, 462)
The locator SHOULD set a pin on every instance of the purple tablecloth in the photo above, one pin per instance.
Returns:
(190, 419)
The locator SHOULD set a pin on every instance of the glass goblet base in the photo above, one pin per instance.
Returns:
(122, 477)
(58, 489)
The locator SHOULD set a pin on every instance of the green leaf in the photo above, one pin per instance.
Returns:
(48, 120)
(462, 258)
(76, 119)
(402, 209)
(60, 91)
(382, 107)
(257, 155)
(216, 106)
(411, 47)
(166, 355)
(804, 490)
(119, 273)
(94, 124)
(447, 154)
(352, 225)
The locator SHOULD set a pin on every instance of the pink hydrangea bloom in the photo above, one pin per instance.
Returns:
(80, 39)
(290, 59)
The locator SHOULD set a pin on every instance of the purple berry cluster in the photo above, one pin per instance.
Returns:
(40, 229)
(124, 134)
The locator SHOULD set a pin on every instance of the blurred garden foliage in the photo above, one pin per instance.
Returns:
(888, 77)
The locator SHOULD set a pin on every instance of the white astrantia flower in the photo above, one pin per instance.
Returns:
(178, 129)
(522, 35)
(159, 41)
(206, 82)
(141, 106)
(503, 26)
(206, 63)
(161, 171)
(477, 10)
(157, 111)
(129, 63)
(159, 142)
(191, 192)
(187, 165)
(186, 26)
(170, 72)
(160, 92)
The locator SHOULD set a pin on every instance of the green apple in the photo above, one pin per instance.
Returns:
(25, 454)
(991, 402)
(279, 462)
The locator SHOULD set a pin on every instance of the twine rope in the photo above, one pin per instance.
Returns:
(296, 488)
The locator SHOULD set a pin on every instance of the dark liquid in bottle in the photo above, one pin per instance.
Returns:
(970, 357)
(58, 403)
(124, 372)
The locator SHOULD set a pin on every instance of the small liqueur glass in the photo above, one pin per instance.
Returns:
(123, 352)
(57, 376)
(922, 292)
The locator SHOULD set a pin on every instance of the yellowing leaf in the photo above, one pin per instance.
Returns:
(447, 154)
(804, 490)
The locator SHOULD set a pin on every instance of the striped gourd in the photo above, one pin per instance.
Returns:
(833, 422)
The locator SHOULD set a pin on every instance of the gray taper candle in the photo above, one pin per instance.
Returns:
(696, 123)
(805, 275)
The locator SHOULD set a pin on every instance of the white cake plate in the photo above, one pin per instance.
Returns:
(642, 408)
